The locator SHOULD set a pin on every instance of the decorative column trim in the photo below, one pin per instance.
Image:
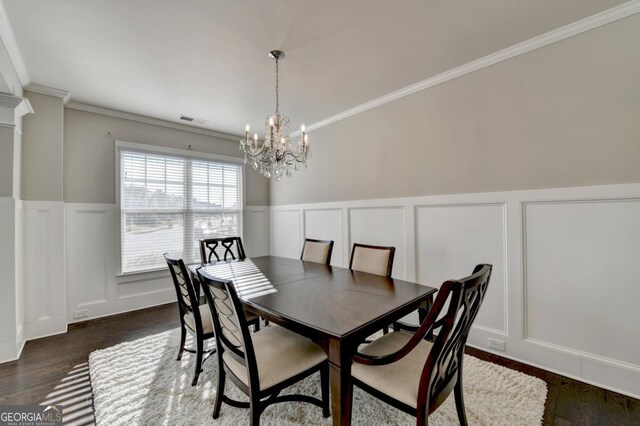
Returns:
(13, 107)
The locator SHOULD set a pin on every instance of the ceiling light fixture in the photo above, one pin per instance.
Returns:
(276, 155)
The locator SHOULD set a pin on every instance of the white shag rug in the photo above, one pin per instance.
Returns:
(141, 383)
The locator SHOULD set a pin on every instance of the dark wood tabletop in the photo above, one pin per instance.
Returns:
(336, 307)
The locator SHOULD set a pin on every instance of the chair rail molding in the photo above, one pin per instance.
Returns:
(519, 232)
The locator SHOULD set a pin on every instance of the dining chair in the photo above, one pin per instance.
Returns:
(217, 249)
(416, 375)
(194, 317)
(209, 251)
(318, 251)
(263, 363)
(376, 260)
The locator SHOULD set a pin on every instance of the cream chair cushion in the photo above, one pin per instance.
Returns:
(315, 252)
(373, 261)
(280, 354)
(401, 379)
(205, 315)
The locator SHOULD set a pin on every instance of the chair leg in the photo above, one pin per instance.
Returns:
(256, 327)
(183, 339)
(199, 352)
(255, 409)
(422, 417)
(385, 330)
(457, 392)
(217, 402)
(324, 387)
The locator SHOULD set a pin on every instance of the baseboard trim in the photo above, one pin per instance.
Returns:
(551, 370)
(153, 305)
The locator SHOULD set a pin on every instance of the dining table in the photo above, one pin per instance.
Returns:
(336, 307)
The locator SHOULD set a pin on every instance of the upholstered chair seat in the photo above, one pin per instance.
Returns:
(261, 364)
(205, 314)
(417, 372)
(280, 355)
(401, 379)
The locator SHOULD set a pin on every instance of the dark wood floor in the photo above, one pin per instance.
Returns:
(55, 370)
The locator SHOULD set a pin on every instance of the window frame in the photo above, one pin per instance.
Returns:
(160, 150)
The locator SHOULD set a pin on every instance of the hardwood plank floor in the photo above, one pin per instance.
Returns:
(55, 370)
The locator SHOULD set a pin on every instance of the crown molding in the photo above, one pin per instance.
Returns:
(79, 106)
(9, 39)
(49, 91)
(578, 27)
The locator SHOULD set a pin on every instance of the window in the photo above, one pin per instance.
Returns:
(169, 200)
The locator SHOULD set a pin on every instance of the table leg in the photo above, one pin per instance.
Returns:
(422, 314)
(340, 380)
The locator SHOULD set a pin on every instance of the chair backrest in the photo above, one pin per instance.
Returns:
(229, 322)
(185, 291)
(443, 364)
(376, 260)
(217, 249)
(318, 251)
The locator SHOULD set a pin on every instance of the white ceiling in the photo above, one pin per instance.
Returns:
(208, 58)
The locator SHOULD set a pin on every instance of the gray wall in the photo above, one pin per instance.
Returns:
(89, 154)
(7, 147)
(564, 115)
(42, 146)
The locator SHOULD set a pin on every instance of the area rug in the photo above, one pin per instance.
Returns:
(141, 383)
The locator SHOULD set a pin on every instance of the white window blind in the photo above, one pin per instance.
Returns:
(169, 202)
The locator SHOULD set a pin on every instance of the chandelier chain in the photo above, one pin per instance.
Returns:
(277, 89)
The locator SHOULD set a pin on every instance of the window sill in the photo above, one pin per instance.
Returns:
(131, 277)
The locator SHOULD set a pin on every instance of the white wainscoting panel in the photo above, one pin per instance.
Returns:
(256, 231)
(382, 226)
(44, 268)
(94, 288)
(91, 258)
(326, 224)
(583, 276)
(564, 289)
(21, 337)
(286, 237)
(9, 345)
(451, 239)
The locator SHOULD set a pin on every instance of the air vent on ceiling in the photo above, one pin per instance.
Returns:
(193, 120)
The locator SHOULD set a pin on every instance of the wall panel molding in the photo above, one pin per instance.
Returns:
(501, 219)
(327, 224)
(43, 268)
(461, 231)
(587, 262)
(381, 225)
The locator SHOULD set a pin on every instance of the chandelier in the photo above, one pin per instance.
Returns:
(277, 155)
